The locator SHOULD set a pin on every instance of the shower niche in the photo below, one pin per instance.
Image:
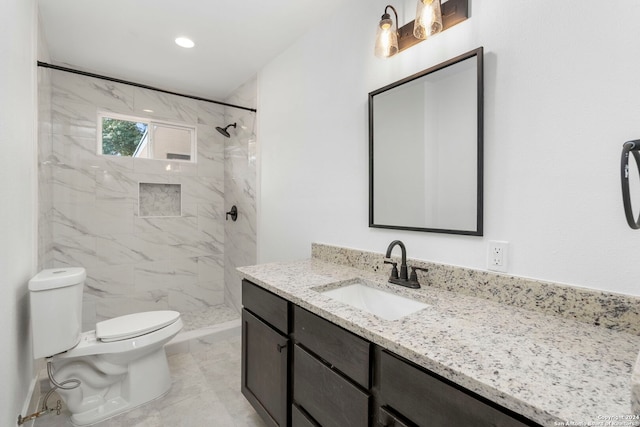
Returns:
(159, 200)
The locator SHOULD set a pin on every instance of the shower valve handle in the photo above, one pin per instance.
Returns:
(233, 212)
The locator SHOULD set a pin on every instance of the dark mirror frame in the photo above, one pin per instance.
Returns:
(478, 53)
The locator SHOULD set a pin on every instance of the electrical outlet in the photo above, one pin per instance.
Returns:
(497, 256)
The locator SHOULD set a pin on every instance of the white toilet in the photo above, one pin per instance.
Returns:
(120, 365)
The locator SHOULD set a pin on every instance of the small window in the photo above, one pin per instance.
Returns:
(127, 136)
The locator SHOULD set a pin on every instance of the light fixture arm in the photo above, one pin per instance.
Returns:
(395, 12)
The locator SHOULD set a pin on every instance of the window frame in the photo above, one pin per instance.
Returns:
(149, 122)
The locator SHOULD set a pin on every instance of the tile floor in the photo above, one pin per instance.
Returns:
(205, 390)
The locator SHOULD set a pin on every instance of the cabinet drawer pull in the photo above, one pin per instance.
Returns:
(280, 347)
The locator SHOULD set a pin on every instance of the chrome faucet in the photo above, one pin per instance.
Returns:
(403, 278)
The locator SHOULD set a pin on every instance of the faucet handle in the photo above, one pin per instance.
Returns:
(414, 275)
(394, 270)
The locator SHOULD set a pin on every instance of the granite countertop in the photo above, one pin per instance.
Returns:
(553, 370)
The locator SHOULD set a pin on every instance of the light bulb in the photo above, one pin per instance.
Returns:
(428, 19)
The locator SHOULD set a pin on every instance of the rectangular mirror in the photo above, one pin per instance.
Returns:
(425, 149)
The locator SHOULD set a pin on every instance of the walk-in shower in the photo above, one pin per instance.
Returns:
(167, 247)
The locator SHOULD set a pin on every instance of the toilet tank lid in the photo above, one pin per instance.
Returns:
(134, 325)
(53, 278)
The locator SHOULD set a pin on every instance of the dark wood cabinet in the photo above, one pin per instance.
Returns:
(339, 348)
(265, 364)
(301, 370)
(331, 372)
(265, 355)
(331, 399)
(299, 418)
(271, 308)
(387, 418)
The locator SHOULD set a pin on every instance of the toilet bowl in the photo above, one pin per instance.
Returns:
(116, 375)
(120, 365)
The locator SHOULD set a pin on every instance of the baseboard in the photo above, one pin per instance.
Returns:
(31, 402)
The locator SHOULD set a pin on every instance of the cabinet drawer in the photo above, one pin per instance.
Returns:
(299, 419)
(429, 401)
(387, 419)
(266, 305)
(330, 399)
(341, 349)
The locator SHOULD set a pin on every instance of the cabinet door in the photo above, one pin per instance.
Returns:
(265, 369)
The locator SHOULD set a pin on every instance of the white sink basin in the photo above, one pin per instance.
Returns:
(383, 304)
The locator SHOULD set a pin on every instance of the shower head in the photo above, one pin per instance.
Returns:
(224, 131)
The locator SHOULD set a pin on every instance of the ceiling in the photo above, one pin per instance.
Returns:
(134, 39)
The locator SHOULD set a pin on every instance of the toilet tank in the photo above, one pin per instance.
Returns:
(55, 297)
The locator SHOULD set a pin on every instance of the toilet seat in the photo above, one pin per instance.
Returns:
(134, 325)
(90, 345)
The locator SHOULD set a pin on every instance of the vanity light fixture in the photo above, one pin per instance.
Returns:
(432, 17)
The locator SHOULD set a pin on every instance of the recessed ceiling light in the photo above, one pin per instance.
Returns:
(185, 42)
(147, 110)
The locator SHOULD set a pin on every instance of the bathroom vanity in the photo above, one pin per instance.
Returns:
(340, 379)
(309, 360)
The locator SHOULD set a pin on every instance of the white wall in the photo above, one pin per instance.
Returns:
(18, 213)
(561, 97)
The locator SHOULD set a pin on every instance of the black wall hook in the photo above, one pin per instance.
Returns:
(233, 212)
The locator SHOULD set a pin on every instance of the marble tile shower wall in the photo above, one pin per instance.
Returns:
(240, 189)
(135, 263)
(45, 150)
